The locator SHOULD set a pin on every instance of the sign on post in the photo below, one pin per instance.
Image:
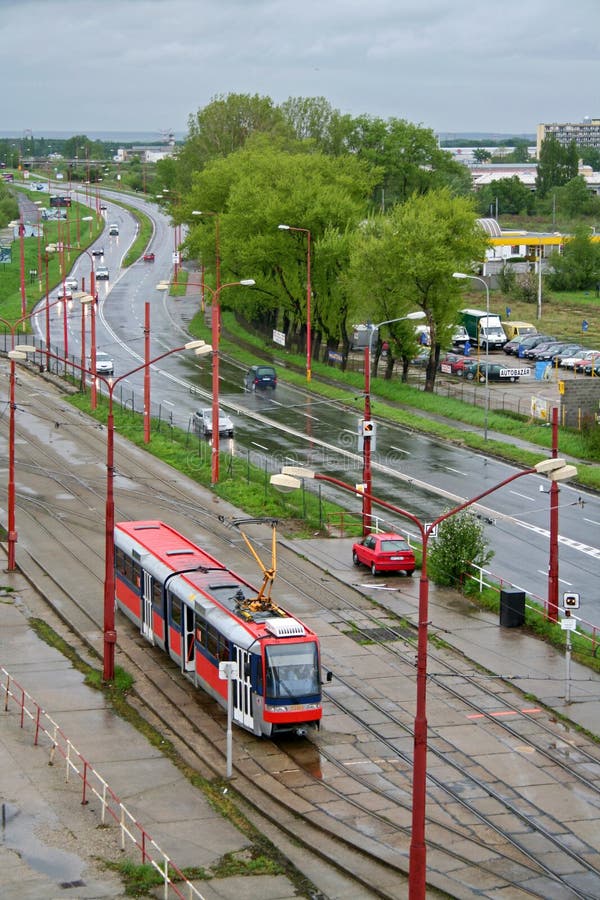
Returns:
(571, 600)
(228, 670)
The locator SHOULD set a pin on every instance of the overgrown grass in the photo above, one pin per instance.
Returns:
(241, 483)
(35, 286)
(145, 231)
(140, 878)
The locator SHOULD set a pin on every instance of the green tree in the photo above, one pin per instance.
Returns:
(574, 199)
(512, 197)
(311, 118)
(519, 154)
(578, 267)
(556, 165)
(408, 156)
(404, 262)
(481, 155)
(224, 126)
(590, 156)
(258, 188)
(460, 544)
(9, 208)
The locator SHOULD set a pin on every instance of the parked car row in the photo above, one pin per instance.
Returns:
(547, 348)
(475, 370)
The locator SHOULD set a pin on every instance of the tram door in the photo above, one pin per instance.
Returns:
(147, 608)
(189, 654)
(242, 693)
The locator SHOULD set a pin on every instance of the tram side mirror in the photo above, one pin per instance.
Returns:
(329, 676)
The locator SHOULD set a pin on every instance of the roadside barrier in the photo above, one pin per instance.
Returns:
(47, 731)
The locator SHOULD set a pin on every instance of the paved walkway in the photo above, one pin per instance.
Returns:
(50, 844)
(532, 665)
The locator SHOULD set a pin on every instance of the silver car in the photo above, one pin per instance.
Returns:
(203, 423)
(104, 364)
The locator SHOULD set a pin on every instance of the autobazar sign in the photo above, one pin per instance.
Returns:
(514, 373)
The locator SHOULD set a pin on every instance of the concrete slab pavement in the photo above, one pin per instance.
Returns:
(526, 661)
(50, 844)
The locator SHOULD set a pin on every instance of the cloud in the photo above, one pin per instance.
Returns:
(78, 65)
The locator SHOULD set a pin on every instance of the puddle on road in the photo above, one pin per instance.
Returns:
(305, 755)
(16, 833)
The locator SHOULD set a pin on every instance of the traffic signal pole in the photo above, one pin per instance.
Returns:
(367, 475)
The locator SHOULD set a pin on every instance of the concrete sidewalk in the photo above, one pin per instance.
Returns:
(51, 845)
(526, 661)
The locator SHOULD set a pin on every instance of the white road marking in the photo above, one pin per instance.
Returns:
(524, 496)
(400, 450)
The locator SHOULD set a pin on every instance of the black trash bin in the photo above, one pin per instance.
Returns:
(512, 608)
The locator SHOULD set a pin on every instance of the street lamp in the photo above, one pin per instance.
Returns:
(199, 212)
(89, 219)
(487, 346)
(15, 354)
(110, 634)
(289, 479)
(308, 295)
(367, 435)
(216, 334)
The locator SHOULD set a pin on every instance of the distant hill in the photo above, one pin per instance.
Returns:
(129, 137)
(484, 136)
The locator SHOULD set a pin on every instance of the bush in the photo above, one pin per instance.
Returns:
(459, 544)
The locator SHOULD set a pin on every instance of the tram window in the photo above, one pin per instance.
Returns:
(292, 669)
(259, 674)
(156, 594)
(127, 568)
(212, 641)
(200, 630)
(175, 607)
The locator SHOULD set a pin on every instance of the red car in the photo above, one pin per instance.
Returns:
(453, 364)
(387, 552)
(148, 257)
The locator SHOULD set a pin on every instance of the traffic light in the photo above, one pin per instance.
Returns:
(368, 428)
(570, 600)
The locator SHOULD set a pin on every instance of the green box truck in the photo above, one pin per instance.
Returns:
(483, 329)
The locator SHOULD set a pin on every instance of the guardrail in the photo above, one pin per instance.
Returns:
(111, 807)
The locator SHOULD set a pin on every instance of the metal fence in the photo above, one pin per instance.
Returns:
(48, 735)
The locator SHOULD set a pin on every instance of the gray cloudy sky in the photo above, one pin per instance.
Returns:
(146, 65)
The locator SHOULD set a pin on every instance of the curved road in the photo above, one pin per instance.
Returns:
(412, 471)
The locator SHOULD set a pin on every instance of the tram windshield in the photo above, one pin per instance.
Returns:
(292, 670)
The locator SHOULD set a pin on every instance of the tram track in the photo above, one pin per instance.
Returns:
(139, 491)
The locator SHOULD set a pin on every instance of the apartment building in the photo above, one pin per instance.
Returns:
(585, 133)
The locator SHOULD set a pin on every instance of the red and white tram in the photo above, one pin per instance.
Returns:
(201, 613)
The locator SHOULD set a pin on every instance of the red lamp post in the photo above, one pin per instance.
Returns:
(367, 427)
(216, 333)
(553, 563)
(22, 265)
(13, 355)
(16, 353)
(289, 479)
(110, 634)
(305, 231)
